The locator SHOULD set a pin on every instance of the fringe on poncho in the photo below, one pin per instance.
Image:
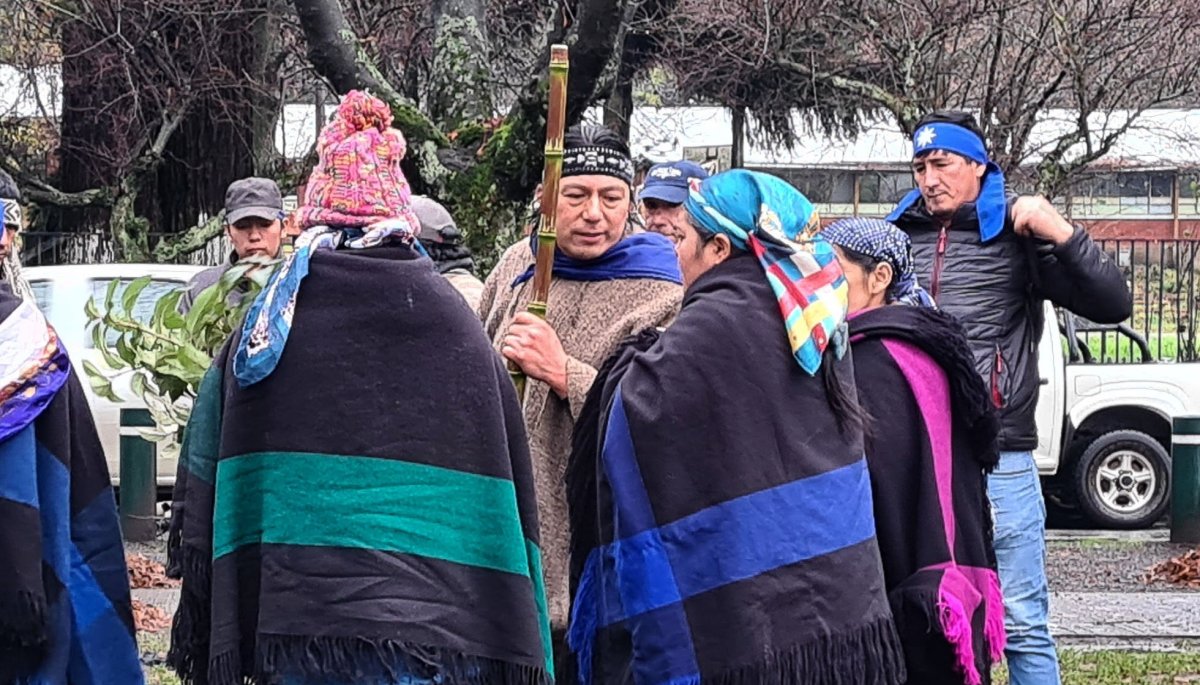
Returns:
(722, 529)
(365, 513)
(933, 436)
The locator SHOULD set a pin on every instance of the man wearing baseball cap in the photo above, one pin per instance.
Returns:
(254, 224)
(662, 196)
(444, 242)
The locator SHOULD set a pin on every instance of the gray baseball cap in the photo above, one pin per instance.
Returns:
(253, 197)
(437, 226)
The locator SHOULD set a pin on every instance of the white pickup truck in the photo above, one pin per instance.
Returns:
(1104, 430)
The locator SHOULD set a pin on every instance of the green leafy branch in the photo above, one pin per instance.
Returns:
(166, 356)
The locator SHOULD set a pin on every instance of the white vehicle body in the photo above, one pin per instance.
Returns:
(62, 292)
(1084, 406)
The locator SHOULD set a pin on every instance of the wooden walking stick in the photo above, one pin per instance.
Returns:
(556, 116)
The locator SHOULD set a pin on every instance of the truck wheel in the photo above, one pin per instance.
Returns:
(1123, 480)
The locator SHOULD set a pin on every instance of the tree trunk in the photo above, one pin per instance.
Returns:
(737, 154)
(618, 110)
(458, 84)
(90, 132)
(263, 69)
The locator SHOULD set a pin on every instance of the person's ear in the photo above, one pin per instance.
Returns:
(881, 278)
(980, 170)
(720, 247)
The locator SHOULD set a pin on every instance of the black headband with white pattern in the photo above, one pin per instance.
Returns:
(594, 159)
(12, 214)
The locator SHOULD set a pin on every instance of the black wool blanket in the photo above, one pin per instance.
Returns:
(65, 610)
(931, 439)
(722, 529)
(365, 513)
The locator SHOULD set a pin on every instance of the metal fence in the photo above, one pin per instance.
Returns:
(1163, 277)
(45, 248)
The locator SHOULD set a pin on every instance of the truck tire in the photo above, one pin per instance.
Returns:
(1123, 480)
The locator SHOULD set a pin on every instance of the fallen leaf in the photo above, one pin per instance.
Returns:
(146, 573)
(149, 618)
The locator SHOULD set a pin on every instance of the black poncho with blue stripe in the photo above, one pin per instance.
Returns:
(65, 611)
(721, 519)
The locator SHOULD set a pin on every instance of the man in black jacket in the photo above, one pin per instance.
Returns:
(990, 259)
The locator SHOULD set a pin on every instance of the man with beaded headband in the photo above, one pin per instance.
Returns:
(608, 283)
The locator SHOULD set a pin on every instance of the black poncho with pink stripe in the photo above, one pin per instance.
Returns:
(932, 437)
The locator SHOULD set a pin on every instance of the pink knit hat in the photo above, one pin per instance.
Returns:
(358, 181)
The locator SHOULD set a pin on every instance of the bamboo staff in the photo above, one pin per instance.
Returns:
(556, 116)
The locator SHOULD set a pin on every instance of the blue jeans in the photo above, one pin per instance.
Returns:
(1020, 538)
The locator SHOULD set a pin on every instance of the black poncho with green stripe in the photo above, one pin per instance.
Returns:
(366, 513)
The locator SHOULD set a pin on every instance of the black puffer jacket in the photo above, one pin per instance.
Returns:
(996, 290)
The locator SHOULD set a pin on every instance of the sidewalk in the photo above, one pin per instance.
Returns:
(1126, 620)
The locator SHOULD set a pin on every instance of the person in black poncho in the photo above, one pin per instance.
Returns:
(721, 520)
(354, 513)
(931, 435)
(65, 610)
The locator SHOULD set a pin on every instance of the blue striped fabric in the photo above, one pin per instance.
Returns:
(644, 577)
(89, 643)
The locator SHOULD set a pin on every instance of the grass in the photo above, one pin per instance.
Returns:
(1118, 348)
(154, 646)
(1121, 668)
(1078, 667)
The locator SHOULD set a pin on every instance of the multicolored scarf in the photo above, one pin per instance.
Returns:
(65, 610)
(269, 321)
(992, 204)
(882, 241)
(358, 516)
(767, 216)
(643, 255)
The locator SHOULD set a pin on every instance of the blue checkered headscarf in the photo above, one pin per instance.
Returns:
(884, 242)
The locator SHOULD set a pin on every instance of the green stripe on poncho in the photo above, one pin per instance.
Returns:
(365, 513)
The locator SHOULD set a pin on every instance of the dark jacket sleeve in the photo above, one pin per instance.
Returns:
(1081, 278)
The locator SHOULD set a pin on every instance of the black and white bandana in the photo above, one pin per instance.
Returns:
(12, 214)
(595, 159)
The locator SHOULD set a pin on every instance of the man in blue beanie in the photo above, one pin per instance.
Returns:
(961, 217)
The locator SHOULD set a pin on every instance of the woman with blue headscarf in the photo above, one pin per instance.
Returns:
(721, 521)
(930, 438)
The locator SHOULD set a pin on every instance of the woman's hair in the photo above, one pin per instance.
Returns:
(868, 264)
(843, 396)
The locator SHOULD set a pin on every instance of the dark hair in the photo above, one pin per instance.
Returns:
(581, 135)
(950, 116)
(8, 188)
(842, 393)
(448, 256)
(868, 263)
